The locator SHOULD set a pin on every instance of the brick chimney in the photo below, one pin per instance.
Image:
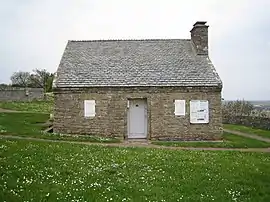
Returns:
(199, 37)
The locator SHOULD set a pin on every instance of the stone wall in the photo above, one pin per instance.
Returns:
(20, 94)
(111, 112)
(251, 121)
(199, 38)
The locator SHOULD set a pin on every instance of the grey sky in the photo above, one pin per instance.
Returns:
(34, 34)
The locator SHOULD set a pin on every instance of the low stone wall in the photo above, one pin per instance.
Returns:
(21, 94)
(251, 121)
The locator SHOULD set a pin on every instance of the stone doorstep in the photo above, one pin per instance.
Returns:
(137, 141)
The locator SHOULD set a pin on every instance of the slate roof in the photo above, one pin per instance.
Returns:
(151, 62)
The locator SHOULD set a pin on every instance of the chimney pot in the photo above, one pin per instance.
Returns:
(198, 23)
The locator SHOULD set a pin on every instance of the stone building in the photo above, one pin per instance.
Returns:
(151, 88)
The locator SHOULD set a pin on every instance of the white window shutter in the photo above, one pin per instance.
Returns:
(199, 111)
(180, 107)
(89, 108)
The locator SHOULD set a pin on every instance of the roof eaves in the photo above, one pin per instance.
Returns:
(113, 40)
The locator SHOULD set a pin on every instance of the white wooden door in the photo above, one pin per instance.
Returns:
(137, 119)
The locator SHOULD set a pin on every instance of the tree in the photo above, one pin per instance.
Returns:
(49, 83)
(3, 86)
(20, 79)
(41, 78)
(237, 108)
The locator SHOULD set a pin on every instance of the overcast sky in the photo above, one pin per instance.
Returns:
(34, 34)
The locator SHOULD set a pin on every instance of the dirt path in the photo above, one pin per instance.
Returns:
(9, 111)
(253, 136)
(137, 144)
(17, 111)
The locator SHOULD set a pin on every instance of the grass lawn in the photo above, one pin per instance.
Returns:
(229, 141)
(34, 106)
(40, 171)
(32, 124)
(245, 129)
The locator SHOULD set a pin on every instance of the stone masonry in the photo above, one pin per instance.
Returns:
(199, 37)
(111, 111)
(21, 94)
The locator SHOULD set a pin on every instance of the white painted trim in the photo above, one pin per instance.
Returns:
(145, 117)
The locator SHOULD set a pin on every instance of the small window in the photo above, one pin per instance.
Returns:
(199, 111)
(179, 107)
(89, 108)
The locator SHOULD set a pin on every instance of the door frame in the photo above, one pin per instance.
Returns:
(146, 117)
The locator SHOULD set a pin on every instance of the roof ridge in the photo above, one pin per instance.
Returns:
(101, 40)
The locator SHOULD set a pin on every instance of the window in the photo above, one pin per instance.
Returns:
(89, 108)
(179, 107)
(199, 111)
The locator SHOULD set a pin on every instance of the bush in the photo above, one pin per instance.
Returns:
(237, 108)
(242, 112)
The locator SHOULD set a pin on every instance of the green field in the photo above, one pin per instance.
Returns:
(245, 129)
(32, 124)
(39, 171)
(35, 106)
(57, 171)
(229, 141)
